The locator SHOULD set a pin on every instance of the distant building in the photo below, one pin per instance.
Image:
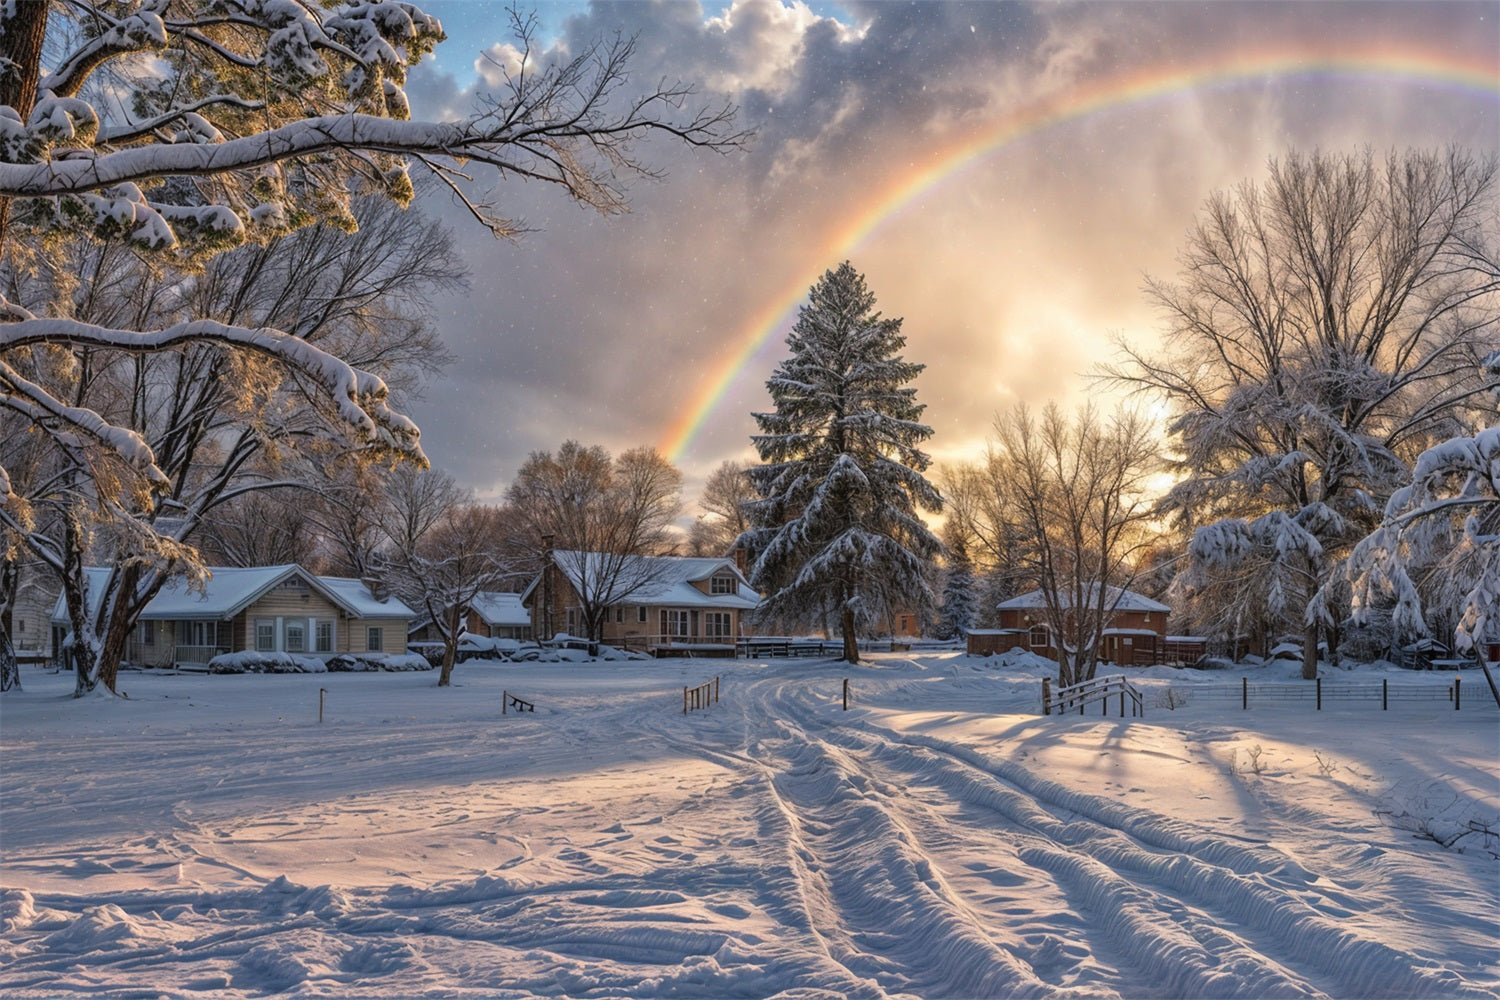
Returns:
(492, 614)
(261, 609)
(675, 604)
(1135, 633)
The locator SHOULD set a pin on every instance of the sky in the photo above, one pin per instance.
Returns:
(1005, 176)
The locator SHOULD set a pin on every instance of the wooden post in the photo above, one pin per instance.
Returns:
(321, 693)
(846, 694)
(684, 699)
(1046, 696)
(716, 690)
(504, 702)
(1385, 694)
(1245, 694)
(1319, 683)
(1457, 692)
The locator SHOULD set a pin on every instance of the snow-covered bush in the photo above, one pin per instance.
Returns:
(357, 662)
(250, 662)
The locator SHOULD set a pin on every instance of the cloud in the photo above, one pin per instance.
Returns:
(1012, 270)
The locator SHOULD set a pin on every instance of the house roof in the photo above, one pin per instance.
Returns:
(232, 589)
(667, 580)
(1124, 600)
(497, 608)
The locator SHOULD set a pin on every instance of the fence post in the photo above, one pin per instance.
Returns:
(504, 702)
(1457, 691)
(1319, 683)
(846, 693)
(1385, 694)
(1046, 696)
(1244, 694)
(716, 690)
(321, 693)
(684, 699)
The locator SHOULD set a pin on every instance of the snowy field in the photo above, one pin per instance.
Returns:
(209, 837)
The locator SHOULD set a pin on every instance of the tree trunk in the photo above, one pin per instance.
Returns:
(450, 648)
(851, 639)
(1310, 653)
(117, 627)
(25, 28)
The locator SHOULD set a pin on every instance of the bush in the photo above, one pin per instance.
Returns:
(356, 662)
(249, 662)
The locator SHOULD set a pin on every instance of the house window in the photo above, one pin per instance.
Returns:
(147, 633)
(324, 637)
(374, 639)
(674, 624)
(619, 616)
(296, 637)
(721, 585)
(640, 615)
(1040, 638)
(265, 635)
(716, 625)
(573, 619)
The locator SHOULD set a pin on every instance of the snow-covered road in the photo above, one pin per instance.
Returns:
(209, 837)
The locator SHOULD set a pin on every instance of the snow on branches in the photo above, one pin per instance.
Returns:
(836, 527)
(1440, 539)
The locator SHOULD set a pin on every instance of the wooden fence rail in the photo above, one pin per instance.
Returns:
(701, 696)
(1099, 690)
(509, 701)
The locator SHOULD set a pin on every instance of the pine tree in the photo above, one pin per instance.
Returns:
(958, 597)
(837, 525)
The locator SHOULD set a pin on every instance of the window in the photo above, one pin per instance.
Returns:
(640, 615)
(721, 585)
(716, 625)
(265, 635)
(674, 624)
(147, 633)
(324, 637)
(374, 639)
(619, 616)
(1040, 638)
(296, 637)
(573, 621)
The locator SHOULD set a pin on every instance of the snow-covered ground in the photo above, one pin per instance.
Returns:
(208, 836)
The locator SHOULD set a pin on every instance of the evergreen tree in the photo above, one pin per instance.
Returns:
(958, 597)
(836, 526)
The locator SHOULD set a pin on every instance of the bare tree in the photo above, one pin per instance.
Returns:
(1327, 326)
(1074, 496)
(723, 520)
(601, 513)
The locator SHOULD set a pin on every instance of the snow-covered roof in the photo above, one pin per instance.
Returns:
(1123, 600)
(496, 608)
(667, 580)
(356, 597)
(232, 589)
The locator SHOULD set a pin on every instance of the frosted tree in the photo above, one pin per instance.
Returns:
(244, 121)
(1326, 328)
(837, 525)
(1441, 535)
(958, 611)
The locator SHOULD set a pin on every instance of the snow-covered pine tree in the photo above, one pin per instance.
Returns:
(837, 523)
(957, 616)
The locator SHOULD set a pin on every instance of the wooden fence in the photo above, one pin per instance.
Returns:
(1319, 691)
(1099, 690)
(701, 696)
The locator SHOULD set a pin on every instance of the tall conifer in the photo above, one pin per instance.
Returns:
(837, 526)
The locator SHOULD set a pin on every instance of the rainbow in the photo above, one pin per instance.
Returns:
(1406, 65)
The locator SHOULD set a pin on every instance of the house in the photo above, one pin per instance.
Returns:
(492, 614)
(260, 609)
(665, 604)
(1134, 634)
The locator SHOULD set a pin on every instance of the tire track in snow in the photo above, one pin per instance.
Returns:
(1151, 882)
